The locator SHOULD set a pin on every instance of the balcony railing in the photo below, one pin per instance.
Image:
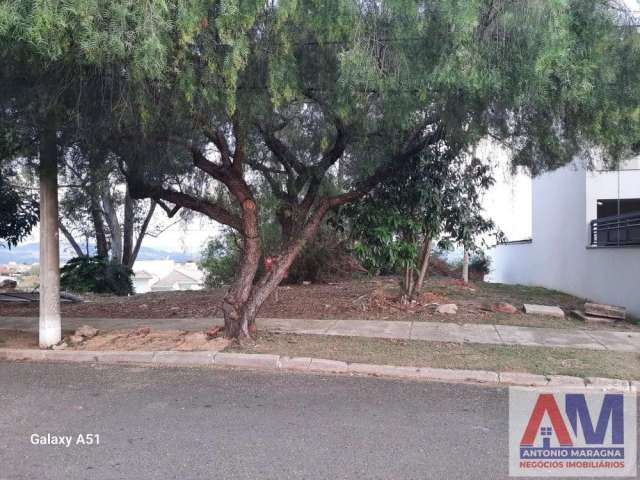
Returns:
(616, 231)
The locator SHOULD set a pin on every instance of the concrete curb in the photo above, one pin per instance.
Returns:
(318, 365)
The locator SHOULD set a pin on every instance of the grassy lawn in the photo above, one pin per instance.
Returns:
(546, 361)
(517, 294)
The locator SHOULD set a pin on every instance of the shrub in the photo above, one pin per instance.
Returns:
(96, 275)
(480, 263)
(219, 260)
(323, 259)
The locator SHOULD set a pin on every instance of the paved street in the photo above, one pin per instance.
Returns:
(618, 341)
(204, 423)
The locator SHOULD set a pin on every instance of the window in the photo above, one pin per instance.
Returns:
(609, 207)
(618, 223)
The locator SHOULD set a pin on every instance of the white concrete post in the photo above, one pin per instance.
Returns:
(50, 328)
(465, 266)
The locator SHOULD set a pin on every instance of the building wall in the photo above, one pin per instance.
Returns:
(558, 257)
(142, 285)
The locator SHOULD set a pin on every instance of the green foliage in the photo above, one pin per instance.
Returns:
(324, 259)
(219, 260)
(430, 197)
(96, 275)
(384, 247)
(480, 263)
(18, 212)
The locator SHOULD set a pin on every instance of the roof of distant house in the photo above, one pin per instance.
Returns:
(177, 276)
(143, 275)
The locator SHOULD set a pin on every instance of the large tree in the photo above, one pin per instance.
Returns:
(295, 88)
(97, 205)
(299, 91)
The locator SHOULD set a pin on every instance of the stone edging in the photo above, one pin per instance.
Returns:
(319, 365)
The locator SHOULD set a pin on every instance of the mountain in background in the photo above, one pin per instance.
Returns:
(30, 252)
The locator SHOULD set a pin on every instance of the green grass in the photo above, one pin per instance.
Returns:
(512, 358)
(516, 294)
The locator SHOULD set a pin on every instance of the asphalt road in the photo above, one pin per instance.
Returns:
(189, 423)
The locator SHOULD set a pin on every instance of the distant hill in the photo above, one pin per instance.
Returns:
(30, 253)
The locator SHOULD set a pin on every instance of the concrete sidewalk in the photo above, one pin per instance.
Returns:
(618, 341)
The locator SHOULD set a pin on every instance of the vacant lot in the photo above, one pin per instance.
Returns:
(357, 299)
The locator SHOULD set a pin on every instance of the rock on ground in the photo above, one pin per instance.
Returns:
(501, 307)
(548, 310)
(76, 339)
(86, 331)
(447, 309)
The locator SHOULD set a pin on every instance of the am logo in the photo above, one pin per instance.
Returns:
(576, 409)
(572, 434)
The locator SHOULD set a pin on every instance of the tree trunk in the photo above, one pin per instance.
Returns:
(465, 267)
(141, 234)
(114, 226)
(102, 247)
(237, 322)
(72, 241)
(424, 265)
(405, 281)
(50, 330)
(127, 229)
(94, 191)
(239, 313)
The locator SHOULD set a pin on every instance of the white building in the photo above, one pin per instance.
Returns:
(166, 275)
(143, 281)
(585, 236)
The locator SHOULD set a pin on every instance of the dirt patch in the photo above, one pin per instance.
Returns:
(545, 361)
(141, 339)
(364, 299)
(150, 340)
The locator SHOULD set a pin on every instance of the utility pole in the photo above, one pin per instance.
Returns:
(50, 328)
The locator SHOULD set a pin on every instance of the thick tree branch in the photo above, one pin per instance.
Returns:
(142, 233)
(318, 172)
(267, 172)
(70, 238)
(335, 152)
(219, 140)
(283, 153)
(181, 199)
(383, 171)
(240, 136)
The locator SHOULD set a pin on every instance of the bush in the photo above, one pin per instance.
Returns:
(323, 259)
(96, 275)
(480, 263)
(220, 259)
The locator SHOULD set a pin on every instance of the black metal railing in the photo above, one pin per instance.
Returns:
(616, 231)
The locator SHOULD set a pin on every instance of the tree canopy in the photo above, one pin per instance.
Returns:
(18, 212)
